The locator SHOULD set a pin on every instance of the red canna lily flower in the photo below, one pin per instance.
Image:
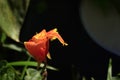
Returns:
(38, 45)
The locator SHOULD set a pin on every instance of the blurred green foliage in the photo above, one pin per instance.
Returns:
(7, 72)
(12, 15)
(33, 74)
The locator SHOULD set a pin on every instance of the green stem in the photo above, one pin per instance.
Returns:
(30, 63)
(24, 69)
(23, 63)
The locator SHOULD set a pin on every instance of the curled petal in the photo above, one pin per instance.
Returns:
(53, 34)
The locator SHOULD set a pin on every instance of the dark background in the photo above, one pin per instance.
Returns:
(82, 56)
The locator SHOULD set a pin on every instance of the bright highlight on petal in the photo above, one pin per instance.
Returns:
(48, 55)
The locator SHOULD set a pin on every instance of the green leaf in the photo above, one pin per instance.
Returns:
(115, 78)
(7, 72)
(2, 37)
(92, 78)
(10, 16)
(8, 75)
(3, 63)
(13, 47)
(30, 63)
(33, 74)
(109, 74)
(83, 78)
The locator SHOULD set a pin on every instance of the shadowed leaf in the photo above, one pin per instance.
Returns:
(12, 13)
(33, 74)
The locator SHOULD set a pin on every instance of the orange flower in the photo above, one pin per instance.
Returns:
(38, 46)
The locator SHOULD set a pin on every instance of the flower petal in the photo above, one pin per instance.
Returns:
(39, 36)
(53, 34)
(38, 51)
(48, 55)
